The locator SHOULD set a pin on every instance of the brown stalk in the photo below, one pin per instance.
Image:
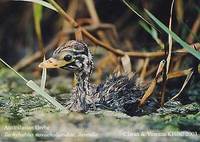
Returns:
(26, 61)
(85, 32)
(64, 14)
(177, 74)
(184, 84)
(169, 39)
(179, 10)
(144, 69)
(195, 29)
(168, 60)
(110, 59)
(152, 54)
(149, 92)
(78, 34)
(92, 11)
(152, 86)
(71, 10)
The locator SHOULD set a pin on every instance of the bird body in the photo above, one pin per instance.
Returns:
(118, 93)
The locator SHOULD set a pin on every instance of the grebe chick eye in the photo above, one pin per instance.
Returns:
(68, 57)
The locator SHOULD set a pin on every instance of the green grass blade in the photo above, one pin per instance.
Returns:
(152, 31)
(37, 89)
(132, 7)
(37, 13)
(13, 70)
(41, 2)
(174, 36)
(145, 27)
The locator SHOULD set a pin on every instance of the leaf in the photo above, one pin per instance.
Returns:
(153, 84)
(149, 92)
(44, 76)
(37, 13)
(145, 27)
(13, 70)
(37, 89)
(41, 2)
(161, 25)
(154, 34)
(126, 64)
(152, 31)
(134, 9)
(160, 68)
(174, 36)
(184, 84)
(169, 39)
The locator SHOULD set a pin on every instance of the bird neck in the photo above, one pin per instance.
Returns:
(82, 83)
(83, 88)
(80, 92)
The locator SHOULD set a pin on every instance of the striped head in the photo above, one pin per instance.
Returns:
(73, 56)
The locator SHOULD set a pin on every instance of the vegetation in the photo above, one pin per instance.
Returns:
(159, 41)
